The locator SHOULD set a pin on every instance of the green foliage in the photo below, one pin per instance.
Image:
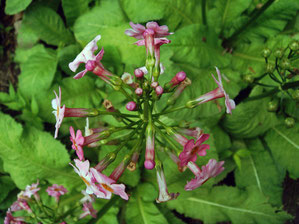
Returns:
(30, 154)
(212, 206)
(16, 6)
(284, 145)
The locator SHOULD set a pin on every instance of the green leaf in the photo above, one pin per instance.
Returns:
(16, 6)
(260, 170)
(73, 9)
(212, 206)
(284, 145)
(31, 154)
(66, 55)
(142, 212)
(250, 119)
(37, 73)
(48, 25)
(111, 24)
(6, 185)
(222, 139)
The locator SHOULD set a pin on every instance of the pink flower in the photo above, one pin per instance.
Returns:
(31, 190)
(138, 30)
(20, 204)
(217, 93)
(193, 132)
(92, 62)
(108, 186)
(77, 141)
(163, 191)
(9, 219)
(58, 111)
(87, 197)
(212, 169)
(149, 162)
(131, 106)
(82, 169)
(56, 191)
(88, 210)
(191, 149)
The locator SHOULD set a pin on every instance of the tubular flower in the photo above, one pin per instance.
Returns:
(77, 141)
(191, 149)
(108, 185)
(212, 169)
(217, 93)
(58, 111)
(88, 210)
(163, 191)
(10, 219)
(56, 191)
(92, 62)
(82, 169)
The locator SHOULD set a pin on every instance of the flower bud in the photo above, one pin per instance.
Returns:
(138, 91)
(272, 106)
(138, 73)
(289, 122)
(270, 68)
(131, 106)
(294, 45)
(266, 52)
(278, 53)
(248, 78)
(154, 84)
(159, 90)
(285, 64)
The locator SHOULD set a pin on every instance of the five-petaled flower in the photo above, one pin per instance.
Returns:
(58, 111)
(31, 190)
(108, 185)
(88, 210)
(212, 169)
(77, 141)
(56, 191)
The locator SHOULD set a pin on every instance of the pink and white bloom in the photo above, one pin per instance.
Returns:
(212, 169)
(87, 197)
(127, 78)
(217, 93)
(92, 62)
(58, 111)
(131, 106)
(88, 210)
(10, 219)
(82, 169)
(56, 191)
(163, 191)
(78, 141)
(193, 132)
(32, 190)
(108, 185)
(192, 149)
(20, 204)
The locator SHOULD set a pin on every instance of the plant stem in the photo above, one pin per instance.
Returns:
(171, 110)
(252, 19)
(203, 12)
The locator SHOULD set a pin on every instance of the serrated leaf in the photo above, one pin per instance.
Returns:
(16, 6)
(32, 154)
(250, 119)
(37, 73)
(260, 170)
(284, 145)
(48, 25)
(212, 206)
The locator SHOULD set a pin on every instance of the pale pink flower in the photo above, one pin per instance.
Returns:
(87, 197)
(56, 191)
(78, 141)
(131, 106)
(82, 169)
(108, 185)
(164, 195)
(20, 204)
(31, 190)
(88, 210)
(191, 149)
(58, 111)
(193, 132)
(127, 78)
(212, 169)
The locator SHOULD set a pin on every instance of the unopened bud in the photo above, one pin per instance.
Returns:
(138, 73)
(248, 78)
(290, 122)
(138, 91)
(266, 52)
(154, 84)
(159, 90)
(278, 53)
(272, 106)
(131, 106)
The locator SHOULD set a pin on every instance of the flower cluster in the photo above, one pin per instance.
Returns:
(142, 122)
(30, 202)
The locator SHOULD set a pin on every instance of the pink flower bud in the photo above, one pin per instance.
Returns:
(138, 91)
(159, 90)
(181, 76)
(90, 65)
(149, 164)
(131, 106)
(138, 73)
(154, 84)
